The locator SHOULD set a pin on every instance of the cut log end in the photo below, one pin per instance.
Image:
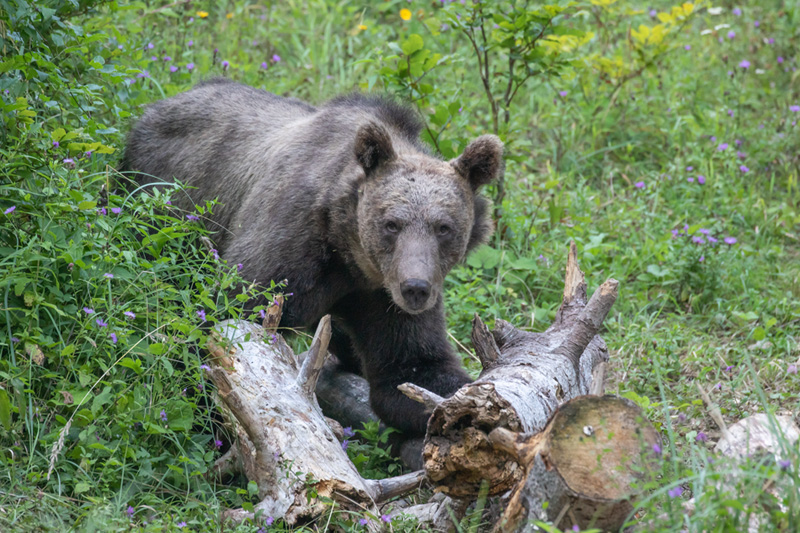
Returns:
(599, 450)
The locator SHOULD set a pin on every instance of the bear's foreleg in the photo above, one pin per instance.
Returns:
(396, 347)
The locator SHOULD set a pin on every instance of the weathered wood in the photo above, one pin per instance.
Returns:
(521, 389)
(285, 443)
(315, 357)
(485, 346)
(430, 399)
(595, 452)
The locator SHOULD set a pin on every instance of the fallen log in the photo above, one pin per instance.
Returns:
(526, 377)
(285, 443)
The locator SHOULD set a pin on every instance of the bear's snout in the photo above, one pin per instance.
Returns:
(415, 293)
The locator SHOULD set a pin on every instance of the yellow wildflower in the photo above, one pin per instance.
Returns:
(202, 14)
(405, 14)
(362, 27)
(229, 16)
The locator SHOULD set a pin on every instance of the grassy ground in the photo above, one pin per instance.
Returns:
(671, 160)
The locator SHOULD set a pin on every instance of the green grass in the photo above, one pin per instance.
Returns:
(592, 123)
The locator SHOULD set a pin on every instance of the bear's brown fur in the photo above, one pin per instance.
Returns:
(344, 202)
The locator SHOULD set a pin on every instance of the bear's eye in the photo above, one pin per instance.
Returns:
(443, 229)
(391, 227)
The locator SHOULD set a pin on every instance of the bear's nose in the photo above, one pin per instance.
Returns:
(415, 292)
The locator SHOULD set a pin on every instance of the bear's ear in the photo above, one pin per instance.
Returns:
(373, 146)
(482, 161)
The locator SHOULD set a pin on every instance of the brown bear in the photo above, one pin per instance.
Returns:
(346, 203)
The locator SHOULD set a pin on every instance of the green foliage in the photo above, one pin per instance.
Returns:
(611, 115)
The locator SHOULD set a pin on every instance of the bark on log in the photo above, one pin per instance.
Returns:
(525, 379)
(285, 444)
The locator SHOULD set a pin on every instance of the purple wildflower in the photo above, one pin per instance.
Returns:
(150, 46)
(264, 65)
(88, 310)
(69, 162)
(202, 314)
(687, 47)
(718, 386)
(348, 432)
(744, 64)
(166, 58)
(722, 147)
(190, 43)
(181, 524)
(792, 369)
(386, 518)
(225, 65)
(743, 168)
(702, 258)
(345, 443)
(190, 66)
(113, 337)
(698, 240)
(163, 415)
(736, 11)
(108, 275)
(701, 179)
(730, 112)
(653, 13)
(102, 211)
(784, 464)
(205, 367)
(690, 179)
(712, 139)
(193, 218)
(675, 233)
(562, 94)
(780, 59)
(656, 449)
(153, 58)
(15, 340)
(276, 58)
(363, 521)
(262, 314)
(731, 34)
(116, 210)
(712, 240)
(674, 493)
(794, 108)
(217, 444)
(239, 267)
(738, 142)
(130, 511)
(129, 314)
(740, 154)
(701, 437)
(639, 185)
(56, 144)
(576, 528)
(143, 74)
(173, 69)
(757, 23)
(771, 40)
(269, 520)
(729, 368)
(100, 323)
(689, 168)
(704, 231)
(9, 210)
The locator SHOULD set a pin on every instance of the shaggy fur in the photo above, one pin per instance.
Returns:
(344, 202)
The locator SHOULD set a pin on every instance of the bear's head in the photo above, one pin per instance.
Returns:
(417, 215)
